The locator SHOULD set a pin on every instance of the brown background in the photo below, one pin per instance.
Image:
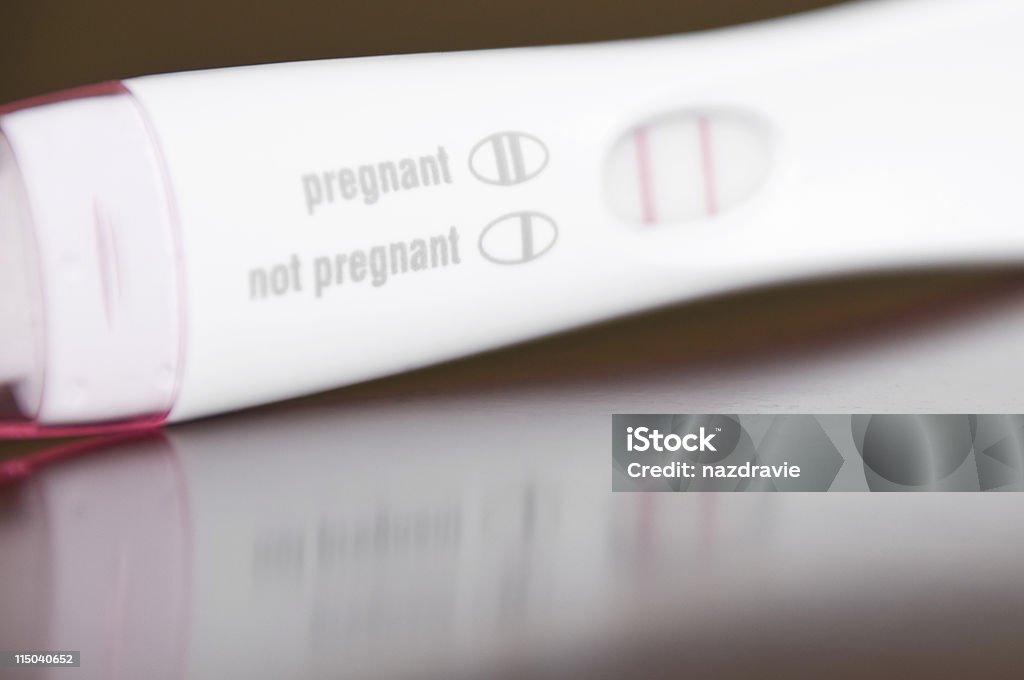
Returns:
(52, 44)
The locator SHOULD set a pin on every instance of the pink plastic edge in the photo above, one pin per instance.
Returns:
(23, 466)
(31, 429)
(105, 89)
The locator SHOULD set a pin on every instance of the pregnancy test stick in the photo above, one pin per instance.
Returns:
(181, 245)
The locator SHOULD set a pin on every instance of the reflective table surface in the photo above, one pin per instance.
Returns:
(458, 522)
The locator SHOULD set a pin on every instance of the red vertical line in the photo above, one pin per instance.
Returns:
(643, 172)
(707, 166)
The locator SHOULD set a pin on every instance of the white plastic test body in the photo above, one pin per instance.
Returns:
(181, 245)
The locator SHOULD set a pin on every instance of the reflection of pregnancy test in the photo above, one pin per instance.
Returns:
(181, 245)
(148, 557)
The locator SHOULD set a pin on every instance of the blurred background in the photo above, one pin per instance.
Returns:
(458, 521)
(51, 44)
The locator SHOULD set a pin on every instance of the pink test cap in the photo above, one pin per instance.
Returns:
(89, 271)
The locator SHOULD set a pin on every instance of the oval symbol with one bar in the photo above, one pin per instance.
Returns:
(517, 238)
(507, 158)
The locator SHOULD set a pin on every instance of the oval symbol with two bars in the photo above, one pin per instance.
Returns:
(507, 158)
(517, 238)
